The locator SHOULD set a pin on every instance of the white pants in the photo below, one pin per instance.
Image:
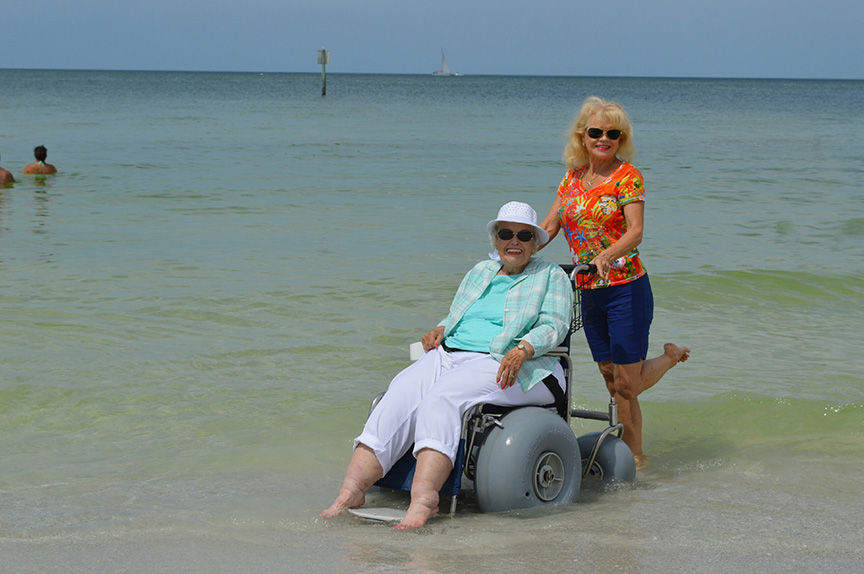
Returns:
(425, 403)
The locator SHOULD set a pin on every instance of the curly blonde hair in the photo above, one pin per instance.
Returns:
(575, 154)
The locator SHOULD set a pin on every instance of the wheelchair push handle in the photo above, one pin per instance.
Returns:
(580, 269)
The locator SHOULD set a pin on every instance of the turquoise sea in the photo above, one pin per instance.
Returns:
(197, 309)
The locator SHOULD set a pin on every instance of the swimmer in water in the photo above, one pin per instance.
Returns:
(40, 167)
(6, 176)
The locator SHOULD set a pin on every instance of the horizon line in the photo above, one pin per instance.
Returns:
(461, 75)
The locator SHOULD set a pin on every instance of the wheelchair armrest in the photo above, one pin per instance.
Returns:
(415, 350)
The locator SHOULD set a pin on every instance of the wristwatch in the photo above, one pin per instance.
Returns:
(521, 347)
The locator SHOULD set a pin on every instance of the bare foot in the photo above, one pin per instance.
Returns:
(345, 500)
(679, 354)
(417, 515)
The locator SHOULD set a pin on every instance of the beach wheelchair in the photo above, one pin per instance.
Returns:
(524, 457)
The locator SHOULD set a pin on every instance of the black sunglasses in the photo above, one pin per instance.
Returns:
(524, 236)
(597, 133)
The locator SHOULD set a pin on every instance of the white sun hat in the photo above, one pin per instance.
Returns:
(518, 212)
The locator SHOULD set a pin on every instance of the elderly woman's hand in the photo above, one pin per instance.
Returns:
(512, 362)
(433, 338)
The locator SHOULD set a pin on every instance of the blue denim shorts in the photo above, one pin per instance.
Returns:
(616, 321)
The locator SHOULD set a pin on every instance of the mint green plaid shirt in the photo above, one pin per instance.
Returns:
(538, 309)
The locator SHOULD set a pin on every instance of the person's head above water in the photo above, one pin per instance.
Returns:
(41, 167)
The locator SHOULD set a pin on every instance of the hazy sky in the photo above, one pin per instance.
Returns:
(704, 38)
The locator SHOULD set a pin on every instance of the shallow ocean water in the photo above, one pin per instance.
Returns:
(198, 308)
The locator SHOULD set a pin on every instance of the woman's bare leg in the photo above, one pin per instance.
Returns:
(654, 369)
(630, 415)
(432, 471)
(629, 381)
(363, 470)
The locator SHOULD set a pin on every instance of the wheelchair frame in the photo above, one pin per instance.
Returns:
(477, 420)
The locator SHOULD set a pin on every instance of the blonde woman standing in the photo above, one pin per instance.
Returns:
(600, 207)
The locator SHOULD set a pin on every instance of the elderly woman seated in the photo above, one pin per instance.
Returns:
(507, 313)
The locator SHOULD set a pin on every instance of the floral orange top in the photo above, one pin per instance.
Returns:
(593, 220)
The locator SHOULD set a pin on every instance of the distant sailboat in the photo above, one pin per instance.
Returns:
(445, 69)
